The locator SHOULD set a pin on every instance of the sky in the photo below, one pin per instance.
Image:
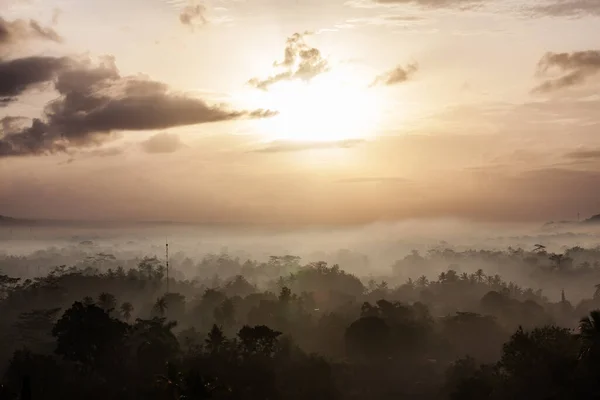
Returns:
(299, 111)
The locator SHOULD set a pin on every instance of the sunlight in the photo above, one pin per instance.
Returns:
(329, 108)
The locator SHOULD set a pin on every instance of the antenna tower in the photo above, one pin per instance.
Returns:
(167, 262)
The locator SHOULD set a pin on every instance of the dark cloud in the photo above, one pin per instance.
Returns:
(290, 146)
(566, 8)
(14, 32)
(397, 75)
(162, 143)
(300, 61)
(460, 4)
(576, 67)
(193, 14)
(16, 76)
(95, 100)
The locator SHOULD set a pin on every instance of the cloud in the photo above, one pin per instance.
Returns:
(14, 32)
(95, 100)
(95, 153)
(432, 4)
(11, 124)
(300, 61)
(576, 67)
(193, 14)
(291, 146)
(584, 155)
(377, 179)
(566, 8)
(162, 143)
(397, 75)
(19, 75)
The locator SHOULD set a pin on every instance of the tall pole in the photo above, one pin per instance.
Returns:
(167, 259)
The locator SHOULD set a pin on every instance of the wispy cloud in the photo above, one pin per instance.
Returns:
(577, 67)
(584, 155)
(395, 76)
(376, 179)
(162, 143)
(291, 146)
(12, 33)
(565, 8)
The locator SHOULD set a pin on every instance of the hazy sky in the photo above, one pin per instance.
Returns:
(299, 111)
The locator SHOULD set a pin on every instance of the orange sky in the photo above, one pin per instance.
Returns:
(330, 111)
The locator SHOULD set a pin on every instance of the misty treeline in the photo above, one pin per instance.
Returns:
(107, 327)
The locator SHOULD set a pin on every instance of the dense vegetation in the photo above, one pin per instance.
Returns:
(108, 327)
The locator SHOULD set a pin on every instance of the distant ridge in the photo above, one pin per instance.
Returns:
(595, 219)
(9, 221)
(6, 221)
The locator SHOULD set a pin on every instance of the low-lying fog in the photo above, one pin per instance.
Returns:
(377, 251)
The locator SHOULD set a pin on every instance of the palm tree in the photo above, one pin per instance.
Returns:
(160, 306)
(479, 275)
(107, 302)
(589, 332)
(126, 309)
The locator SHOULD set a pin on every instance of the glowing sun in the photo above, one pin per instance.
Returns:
(328, 108)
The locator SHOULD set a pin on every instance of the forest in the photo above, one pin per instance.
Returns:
(81, 323)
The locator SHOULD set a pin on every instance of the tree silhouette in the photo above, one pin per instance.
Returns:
(368, 338)
(160, 306)
(259, 339)
(479, 275)
(126, 310)
(88, 335)
(589, 333)
(107, 302)
(215, 339)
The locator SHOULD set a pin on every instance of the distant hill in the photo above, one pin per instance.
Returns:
(595, 219)
(9, 221)
(6, 221)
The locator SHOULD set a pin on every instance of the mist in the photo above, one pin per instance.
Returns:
(438, 300)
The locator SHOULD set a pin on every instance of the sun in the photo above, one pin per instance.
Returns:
(328, 108)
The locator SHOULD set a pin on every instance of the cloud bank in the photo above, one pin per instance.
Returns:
(95, 100)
